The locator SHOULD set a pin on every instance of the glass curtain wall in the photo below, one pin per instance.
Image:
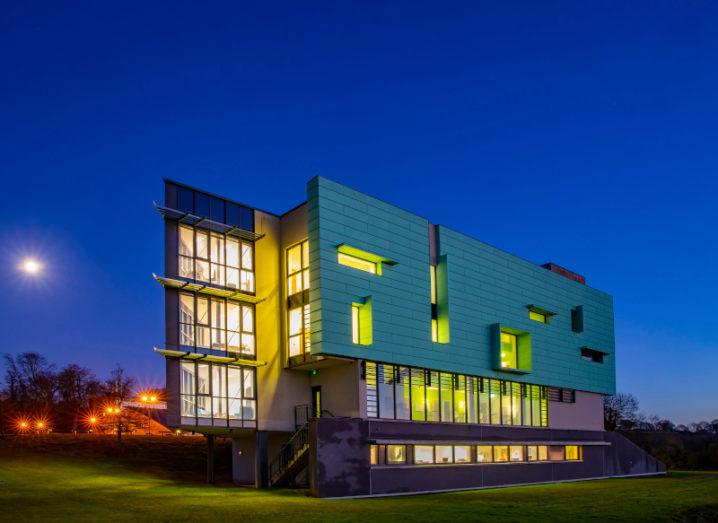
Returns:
(215, 258)
(408, 393)
(217, 394)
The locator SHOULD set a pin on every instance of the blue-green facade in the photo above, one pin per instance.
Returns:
(485, 287)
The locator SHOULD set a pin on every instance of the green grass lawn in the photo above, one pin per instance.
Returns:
(36, 487)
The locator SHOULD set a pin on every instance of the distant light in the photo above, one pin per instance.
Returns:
(93, 419)
(153, 398)
(30, 266)
(145, 398)
(40, 424)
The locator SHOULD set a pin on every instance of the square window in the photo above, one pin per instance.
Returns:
(501, 453)
(395, 454)
(573, 452)
(444, 454)
(516, 452)
(484, 454)
(423, 454)
(462, 454)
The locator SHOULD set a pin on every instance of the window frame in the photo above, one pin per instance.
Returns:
(210, 327)
(224, 266)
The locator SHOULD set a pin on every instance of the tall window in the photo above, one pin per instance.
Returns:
(298, 322)
(355, 323)
(217, 394)
(216, 323)
(434, 310)
(297, 268)
(221, 260)
(299, 341)
(509, 352)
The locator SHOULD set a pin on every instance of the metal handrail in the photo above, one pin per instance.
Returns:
(289, 452)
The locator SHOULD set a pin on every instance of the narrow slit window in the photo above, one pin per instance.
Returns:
(355, 323)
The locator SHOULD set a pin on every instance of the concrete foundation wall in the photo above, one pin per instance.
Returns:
(585, 414)
(339, 457)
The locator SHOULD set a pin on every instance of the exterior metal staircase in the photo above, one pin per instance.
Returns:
(292, 458)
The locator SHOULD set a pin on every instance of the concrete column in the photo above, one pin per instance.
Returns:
(262, 459)
(210, 458)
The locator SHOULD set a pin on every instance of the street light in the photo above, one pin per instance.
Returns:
(148, 399)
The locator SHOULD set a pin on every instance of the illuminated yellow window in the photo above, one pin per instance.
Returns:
(537, 316)
(501, 453)
(374, 454)
(509, 353)
(484, 454)
(355, 323)
(356, 263)
(573, 452)
(432, 278)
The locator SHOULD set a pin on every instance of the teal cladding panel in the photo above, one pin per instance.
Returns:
(485, 286)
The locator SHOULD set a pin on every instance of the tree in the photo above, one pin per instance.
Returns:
(619, 410)
(76, 385)
(119, 388)
(30, 380)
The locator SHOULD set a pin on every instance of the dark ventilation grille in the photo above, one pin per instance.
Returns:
(561, 395)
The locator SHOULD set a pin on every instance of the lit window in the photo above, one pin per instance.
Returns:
(509, 352)
(501, 453)
(356, 263)
(573, 452)
(298, 318)
(374, 454)
(217, 394)
(516, 452)
(423, 454)
(395, 454)
(543, 453)
(215, 258)
(484, 454)
(298, 330)
(298, 268)
(444, 454)
(216, 323)
(462, 454)
(355, 323)
(434, 311)
(537, 316)
(532, 453)
(361, 317)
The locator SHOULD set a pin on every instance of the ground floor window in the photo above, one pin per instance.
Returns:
(217, 394)
(428, 454)
(416, 394)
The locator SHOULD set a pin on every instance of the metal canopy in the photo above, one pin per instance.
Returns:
(205, 223)
(206, 288)
(188, 355)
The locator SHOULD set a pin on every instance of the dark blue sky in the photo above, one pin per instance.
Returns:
(582, 133)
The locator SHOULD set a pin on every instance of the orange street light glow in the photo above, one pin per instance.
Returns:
(40, 424)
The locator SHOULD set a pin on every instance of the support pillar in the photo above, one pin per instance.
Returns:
(262, 460)
(210, 459)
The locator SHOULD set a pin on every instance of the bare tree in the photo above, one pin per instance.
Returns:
(119, 388)
(619, 410)
(75, 386)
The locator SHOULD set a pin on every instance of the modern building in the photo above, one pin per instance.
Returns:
(358, 347)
